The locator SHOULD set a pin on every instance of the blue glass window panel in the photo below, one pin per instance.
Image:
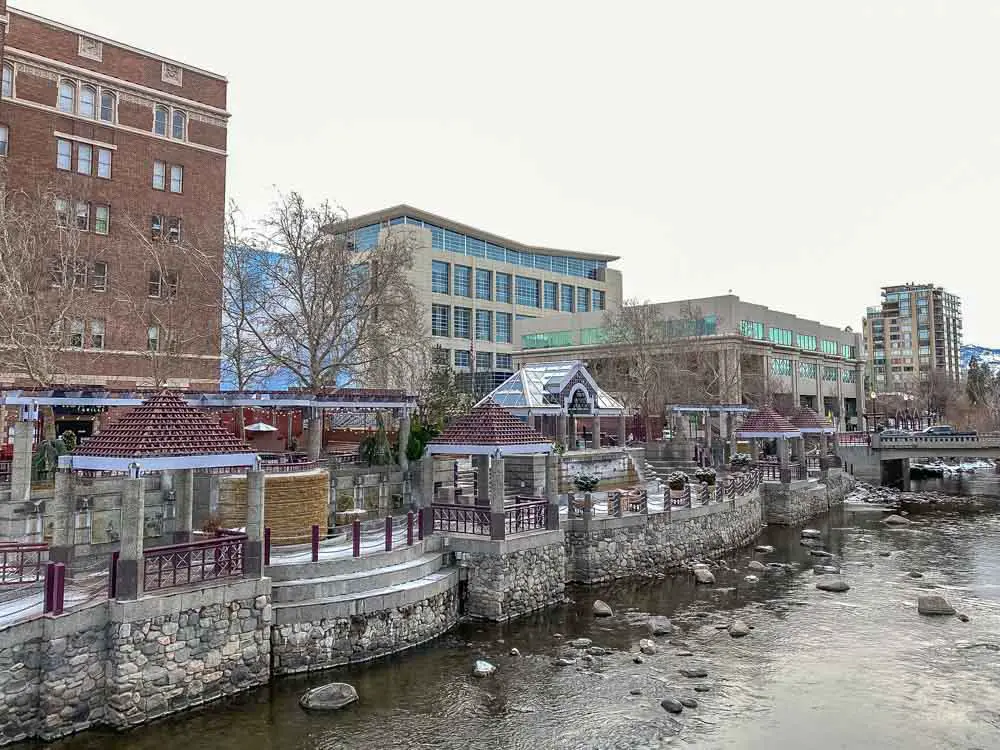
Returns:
(504, 362)
(574, 267)
(454, 242)
(527, 291)
(396, 221)
(525, 317)
(597, 303)
(513, 257)
(484, 284)
(544, 262)
(503, 328)
(437, 236)
(484, 325)
(439, 320)
(559, 264)
(503, 288)
(551, 294)
(366, 238)
(440, 272)
(566, 298)
(475, 247)
(463, 281)
(462, 358)
(582, 299)
(463, 323)
(526, 259)
(495, 252)
(414, 222)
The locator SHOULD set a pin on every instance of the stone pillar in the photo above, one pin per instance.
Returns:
(183, 486)
(482, 466)
(755, 449)
(20, 469)
(404, 440)
(315, 433)
(795, 383)
(552, 469)
(253, 564)
(784, 468)
(597, 430)
(570, 433)
(497, 515)
(62, 515)
(622, 435)
(130, 562)
(562, 430)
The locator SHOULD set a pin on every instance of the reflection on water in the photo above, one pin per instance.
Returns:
(819, 670)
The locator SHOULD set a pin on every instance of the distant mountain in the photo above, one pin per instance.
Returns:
(985, 355)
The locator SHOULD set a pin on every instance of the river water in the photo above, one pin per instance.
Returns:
(859, 669)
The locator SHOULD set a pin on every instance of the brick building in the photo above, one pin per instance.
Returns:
(131, 148)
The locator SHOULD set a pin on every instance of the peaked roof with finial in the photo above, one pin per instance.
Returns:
(808, 421)
(165, 432)
(767, 423)
(489, 429)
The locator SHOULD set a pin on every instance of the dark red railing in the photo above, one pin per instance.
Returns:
(854, 438)
(461, 519)
(22, 563)
(527, 514)
(185, 564)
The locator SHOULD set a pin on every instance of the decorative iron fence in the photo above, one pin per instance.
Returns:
(461, 519)
(185, 564)
(22, 563)
(527, 514)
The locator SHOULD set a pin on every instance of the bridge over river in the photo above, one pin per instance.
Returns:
(886, 459)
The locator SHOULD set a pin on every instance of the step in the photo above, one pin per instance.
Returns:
(377, 600)
(344, 565)
(324, 587)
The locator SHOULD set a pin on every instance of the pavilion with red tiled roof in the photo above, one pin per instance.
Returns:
(490, 430)
(767, 423)
(809, 422)
(165, 433)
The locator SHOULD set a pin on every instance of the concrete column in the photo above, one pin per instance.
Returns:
(562, 430)
(784, 467)
(622, 435)
(404, 440)
(497, 516)
(63, 518)
(482, 466)
(795, 383)
(755, 450)
(253, 564)
(552, 469)
(571, 431)
(130, 562)
(597, 430)
(183, 486)
(315, 433)
(20, 469)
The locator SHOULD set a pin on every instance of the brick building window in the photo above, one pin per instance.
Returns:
(156, 227)
(176, 179)
(83, 216)
(159, 175)
(160, 115)
(88, 101)
(62, 212)
(4, 139)
(84, 158)
(153, 339)
(173, 229)
(178, 129)
(76, 329)
(64, 154)
(104, 163)
(99, 276)
(162, 284)
(97, 334)
(8, 79)
(108, 102)
(102, 218)
(66, 98)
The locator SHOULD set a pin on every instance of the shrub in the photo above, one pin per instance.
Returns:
(706, 475)
(740, 459)
(586, 482)
(677, 480)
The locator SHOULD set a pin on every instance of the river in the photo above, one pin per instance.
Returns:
(859, 669)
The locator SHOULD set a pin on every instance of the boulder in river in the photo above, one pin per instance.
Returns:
(672, 705)
(647, 647)
(637, 659)
(838, 586)
(751, 579)
(811, 533)
(756, 566)
(602, 609)
(702, 688)
(738, 629)
(962, 617)
(694, 672)
(581, 643)
(703, 575)
(916, 574)
(483, 668)
(515, 652)
(884, 554)
(932, 604)
(826, 570)
(820, 553)
(896, 520)
(563, 662)
(659, 625)
(598, 651)
(329, 697)
(764, 548)
(688, 702)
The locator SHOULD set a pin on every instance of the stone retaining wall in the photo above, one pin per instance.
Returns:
(602, 549)
(795, 502)
(510, 578)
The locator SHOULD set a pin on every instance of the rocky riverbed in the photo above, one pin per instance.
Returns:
(761, 658)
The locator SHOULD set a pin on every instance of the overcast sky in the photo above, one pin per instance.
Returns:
(801, 154)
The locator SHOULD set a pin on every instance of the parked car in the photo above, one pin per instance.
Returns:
(895, 433)
(945, 429)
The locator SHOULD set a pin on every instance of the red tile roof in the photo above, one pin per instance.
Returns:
(163, 426)
(808, 420)
(766, 422)
(489, 425)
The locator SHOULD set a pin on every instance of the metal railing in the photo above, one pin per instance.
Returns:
(287, 467)
(185, 564)
(461, 519)
(728, 488)
(5, 469)
(853, 438)
(527, 514)
(770, 471)
(22, 563)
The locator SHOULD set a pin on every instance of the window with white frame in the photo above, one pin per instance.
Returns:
(76, 329)
(64, 154)
(8, 79)
(97, 334)
(99, 276)
(162, 284)
(83, 216)
(104, 163)
(159, 175)
(84, 158)
(80, 273)
(4, 139)
(176, 179)
(102, 218)
(160, 115)
(178, 128)
(88, 101)
(173, 229)
(108, 101)
(62, 212)
(66, 97)
(156, 227)
(153, 339)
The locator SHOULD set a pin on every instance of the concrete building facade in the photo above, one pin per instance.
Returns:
(131, 147)
(914, 332)
(476, 286)
(802, 361)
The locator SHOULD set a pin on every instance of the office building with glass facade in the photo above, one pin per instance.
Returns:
(797, 361)
(914, 333)
(476, 286)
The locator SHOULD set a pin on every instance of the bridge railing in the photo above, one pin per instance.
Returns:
(956, 441)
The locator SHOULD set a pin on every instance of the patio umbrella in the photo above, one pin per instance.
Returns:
(260, 427)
